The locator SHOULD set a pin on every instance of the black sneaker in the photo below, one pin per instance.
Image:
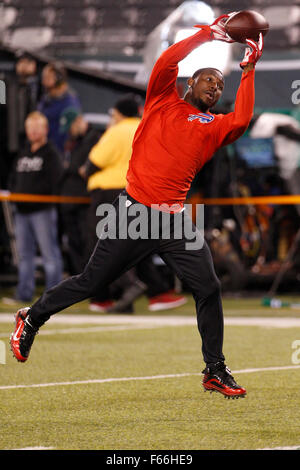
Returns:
(218, 378)
(22, 338)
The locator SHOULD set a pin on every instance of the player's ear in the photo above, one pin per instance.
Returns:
(190, 82)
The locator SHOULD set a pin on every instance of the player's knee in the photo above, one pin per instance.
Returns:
(213, 287)
(86, 283)
(217, 284)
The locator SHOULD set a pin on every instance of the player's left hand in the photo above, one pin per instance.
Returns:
(253, 52)
(217, 28)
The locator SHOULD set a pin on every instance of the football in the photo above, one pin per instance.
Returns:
(246, 24)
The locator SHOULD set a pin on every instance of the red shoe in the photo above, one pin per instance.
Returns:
(218, 378)
(166, 301)
(100, 306)
(22, 338)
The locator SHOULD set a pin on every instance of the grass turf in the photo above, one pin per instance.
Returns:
(165, 413)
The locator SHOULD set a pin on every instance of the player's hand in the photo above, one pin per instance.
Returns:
(217, 28)
(253, 52)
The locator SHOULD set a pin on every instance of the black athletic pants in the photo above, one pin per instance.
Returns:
(113, 257)
(149, 273)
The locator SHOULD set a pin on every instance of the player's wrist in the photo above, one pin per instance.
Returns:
(218, 28)
(248, 68)
(206, 29)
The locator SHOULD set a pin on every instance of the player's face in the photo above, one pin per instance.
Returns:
(206, 89)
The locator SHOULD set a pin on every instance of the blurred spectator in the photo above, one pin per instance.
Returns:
(29, 89)
(82, 137)
(289, 134)
(283, 129)
(106, 171)
(107, 163)
(37, 170)
(57, 103)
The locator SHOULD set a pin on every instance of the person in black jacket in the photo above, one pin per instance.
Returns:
(37, 170)
(29, 91)
(82, 137)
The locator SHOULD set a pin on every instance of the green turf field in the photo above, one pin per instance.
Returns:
(134, 382)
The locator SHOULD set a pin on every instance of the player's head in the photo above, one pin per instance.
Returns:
(205, 88)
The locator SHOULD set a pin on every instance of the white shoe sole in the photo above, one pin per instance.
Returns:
(169, 305)
(95, 308)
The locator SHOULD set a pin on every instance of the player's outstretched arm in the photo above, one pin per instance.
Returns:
(235, 124)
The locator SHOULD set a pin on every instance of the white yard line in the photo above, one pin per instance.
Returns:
(90, 329)
(160, 320)
(111, 319)
(159, 323)
(129, 379)
(267, 322)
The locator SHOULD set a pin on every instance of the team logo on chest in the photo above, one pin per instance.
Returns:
(202, 117)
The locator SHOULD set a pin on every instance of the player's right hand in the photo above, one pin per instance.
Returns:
(217, 28)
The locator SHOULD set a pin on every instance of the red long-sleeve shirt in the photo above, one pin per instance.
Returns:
(175, 139)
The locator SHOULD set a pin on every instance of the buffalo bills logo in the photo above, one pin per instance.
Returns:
(203, 117)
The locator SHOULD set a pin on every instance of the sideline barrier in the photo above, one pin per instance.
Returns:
(233, 201)
(255, 200)
(19, 197)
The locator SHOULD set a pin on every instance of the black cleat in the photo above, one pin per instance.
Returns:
(22, 338)
(218, 378)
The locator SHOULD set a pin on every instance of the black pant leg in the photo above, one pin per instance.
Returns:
(195, 268)
(111, 258)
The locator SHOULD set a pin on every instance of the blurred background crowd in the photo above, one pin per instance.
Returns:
(75, 76)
